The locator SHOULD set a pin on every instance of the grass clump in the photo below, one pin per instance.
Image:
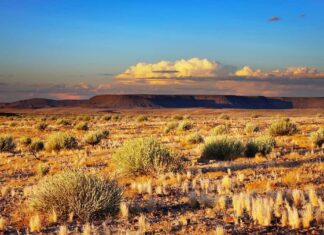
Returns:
(221, 148)
(283, 127)
(195, 138)
(220, 130)
(171, 126)
(82, 126)
(185, 125)
(61, 140)
(141, 118)
(317, 137)
(145, 156)
(95, 137)
(262, 145)
(7, 143)
(86, 196)
(63, 122)
(251, 128)
(41, 126)
(177, 117)
(25, 141)
(36, 146)
(224, 116)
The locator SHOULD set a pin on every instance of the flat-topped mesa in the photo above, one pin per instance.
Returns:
(175, 101)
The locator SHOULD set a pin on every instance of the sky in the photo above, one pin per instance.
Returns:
(75, 49)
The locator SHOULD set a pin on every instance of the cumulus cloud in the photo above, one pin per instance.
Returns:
(194, 67)
(290, 72)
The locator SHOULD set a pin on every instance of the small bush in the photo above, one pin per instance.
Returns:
(41, 126)
(221, 148)
(107, 118)
(283, 127)
(61, 140)
(317, 137)
(36, 146)
(82, 126)
(141, 118)
(195, 138)
(220, 130)
(144, 156)
(42, 169)
(185, 125)
(86, 196)
(25, 141)
(7, 143)
(224, 116)
(262, 145)
(171, 126)
(177, 117)
(63, 122)
(115, 117)
(251, 128)
(93, 138)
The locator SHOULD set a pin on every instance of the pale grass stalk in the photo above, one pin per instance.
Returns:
(219, 230)
(241, 177)
(262, 210)
(189, 175)
(53, 217)
(298, 197)
(185, 186)
(71, 217)
(284, 218)
(35, 223)
(293, 218)
(227, 182)
(124, 209)
(86, 229)
(307, 215)
(4, 191)
(220, 203)
(313, 198)
(238, 204)
(142, 223)
(63, 230)
(2, 223)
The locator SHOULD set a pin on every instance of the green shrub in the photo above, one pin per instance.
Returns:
(185, 125)
(144, 156)
(262, 145)
(283, 127)
(42, 169)
(25, 141)
(93, 138)
(7, 143)
(171, 126)
(141, 118)
(220, 130)
(195, 138)
(115, 117)
(107, 118)
(104, 134)
(224, 116)
(63, 122)
(221, 148)
(82, 126)
(317, 137)
(177, 117)
(86, 196)
(61, 140)
(36, 146)
(41, 126)
(251, 128)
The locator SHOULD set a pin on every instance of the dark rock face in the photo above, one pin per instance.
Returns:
(175, 101)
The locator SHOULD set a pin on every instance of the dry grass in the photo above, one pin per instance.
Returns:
(280, 192)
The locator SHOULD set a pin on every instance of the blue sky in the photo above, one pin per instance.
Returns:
(79, 41)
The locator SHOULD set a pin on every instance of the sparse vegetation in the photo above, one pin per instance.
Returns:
(7, 143)
(220, 130)
(61, 140)
(86, 196)
(283, 127)
(171, 126)
(141, 118)
(41, 126)
(185, 125)
(195, 138)
(221, 148)
(82, 126)
(262, 145)
(144, 156)
(251, 128)
(317, 137)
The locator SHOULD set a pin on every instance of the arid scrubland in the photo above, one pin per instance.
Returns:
(162, 172)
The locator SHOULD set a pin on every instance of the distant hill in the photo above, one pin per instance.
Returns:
(174, 101)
